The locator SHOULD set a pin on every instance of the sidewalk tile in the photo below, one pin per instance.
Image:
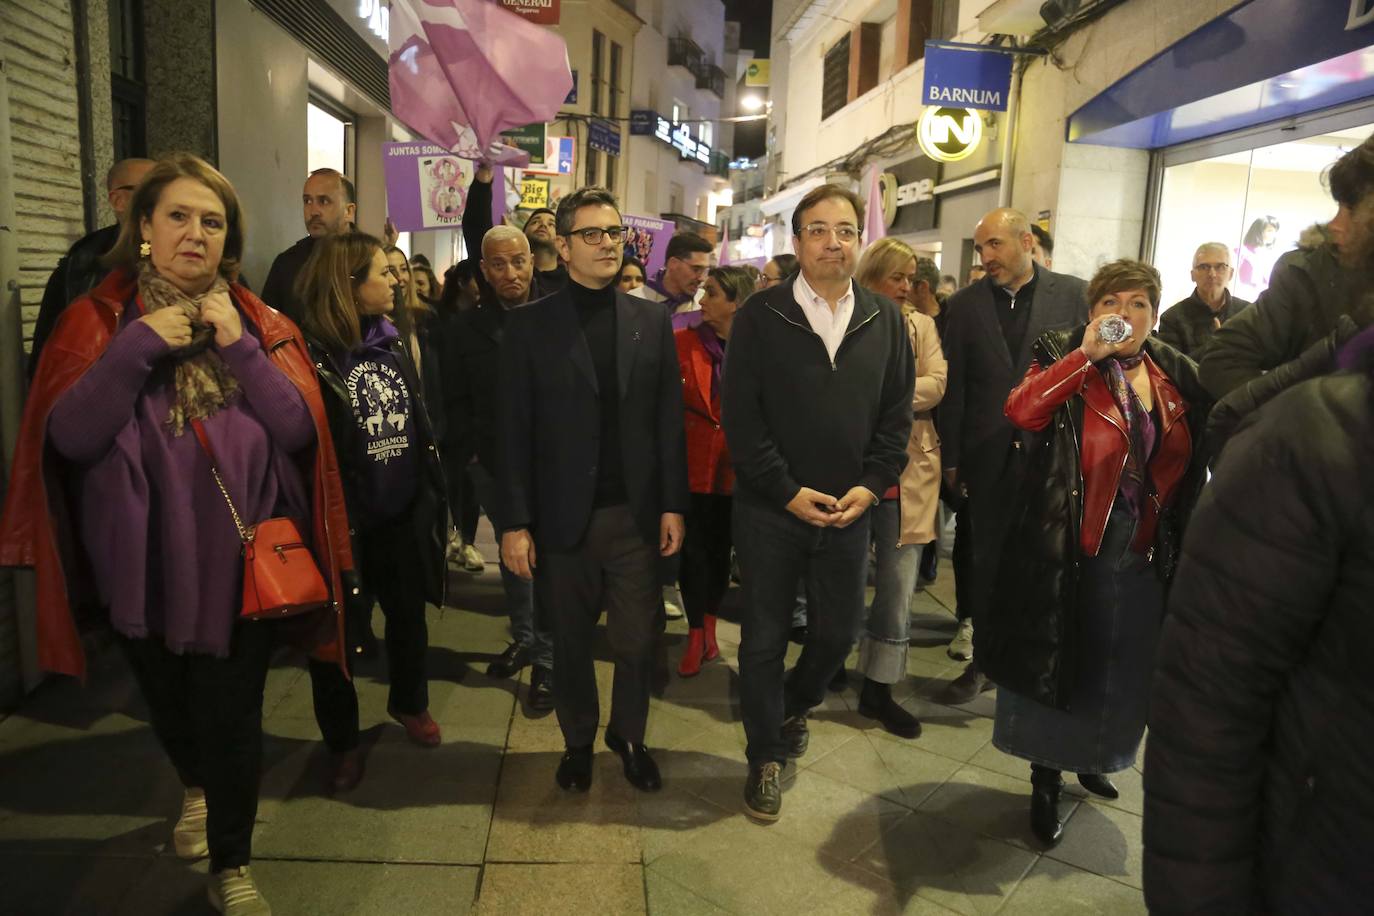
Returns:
(1105, 841)
(994, 805)
(554, 890)
(1053, 887)
(668, 898)
(901, 772)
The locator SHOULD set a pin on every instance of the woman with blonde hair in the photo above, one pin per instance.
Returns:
(904, 520)
(169, 403)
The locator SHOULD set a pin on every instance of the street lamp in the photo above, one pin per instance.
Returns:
(751, 102)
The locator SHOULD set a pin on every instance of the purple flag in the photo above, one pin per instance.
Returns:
(725, 245)
(874, 224)
(462, 71)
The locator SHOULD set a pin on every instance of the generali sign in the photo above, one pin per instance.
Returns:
(543, 12)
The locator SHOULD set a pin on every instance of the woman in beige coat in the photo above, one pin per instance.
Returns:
(904, 520)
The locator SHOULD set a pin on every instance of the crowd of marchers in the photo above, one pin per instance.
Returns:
(1158, 523)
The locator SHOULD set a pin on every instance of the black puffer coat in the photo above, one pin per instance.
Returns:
(1258, 790)
(1025, 640)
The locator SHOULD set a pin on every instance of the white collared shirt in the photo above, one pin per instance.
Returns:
(829, 325)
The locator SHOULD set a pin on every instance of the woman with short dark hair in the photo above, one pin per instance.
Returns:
(1110, 478)
(169, 403)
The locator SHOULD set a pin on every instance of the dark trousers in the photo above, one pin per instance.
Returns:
(612, 568)
(207, 714)
(389, 559)
(705, 556)
(962, 559)
(775, 551)
(993, 497)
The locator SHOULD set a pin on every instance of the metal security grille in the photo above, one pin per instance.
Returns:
(333, 41)
(835, 78)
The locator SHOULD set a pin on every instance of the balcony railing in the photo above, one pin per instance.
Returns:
(683, 52)
(711, 77)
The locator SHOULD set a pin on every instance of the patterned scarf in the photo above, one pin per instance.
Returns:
(1113, 371)
(203, 383)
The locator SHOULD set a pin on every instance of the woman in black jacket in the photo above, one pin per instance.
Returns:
(1257, 790)
(393, 480)
(1113, 468)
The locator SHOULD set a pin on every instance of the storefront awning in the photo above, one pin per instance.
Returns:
(1263, 61)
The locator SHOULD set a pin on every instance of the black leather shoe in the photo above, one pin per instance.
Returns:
(795, 735)
(541, 688)
(640, 769)
(839, 681)
(875, 702)
(575, 769)
(1044, 811)
(510, 661)
(1098, 784)
(762, 793)
(966, 687)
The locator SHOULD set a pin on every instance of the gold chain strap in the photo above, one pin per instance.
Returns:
(245, 534)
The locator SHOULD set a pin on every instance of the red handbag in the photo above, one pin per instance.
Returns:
(280, 576)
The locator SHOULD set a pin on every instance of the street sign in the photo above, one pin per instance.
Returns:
(949, 134)
(558, 157)
(642, 122)
(757, 73)
(604, 136)
(967, 77)
(529, 139)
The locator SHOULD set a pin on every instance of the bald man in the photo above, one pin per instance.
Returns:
(471, 369)
(80, 268)
(329, 206)
(988, 336)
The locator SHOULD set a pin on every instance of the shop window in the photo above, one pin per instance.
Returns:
(835, 78)
(328, 136)
(128, 92)
(1255, 202)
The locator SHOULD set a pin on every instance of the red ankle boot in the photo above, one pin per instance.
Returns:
(709, 629)
(692, 655)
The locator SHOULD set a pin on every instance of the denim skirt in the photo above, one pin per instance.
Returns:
(1120, 609)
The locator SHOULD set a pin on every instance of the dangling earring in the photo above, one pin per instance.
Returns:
(145, 250)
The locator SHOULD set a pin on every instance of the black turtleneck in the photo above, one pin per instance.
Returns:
(596, 312)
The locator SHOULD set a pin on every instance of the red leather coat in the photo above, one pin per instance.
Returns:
(708, 460)
(36, 528)
(1103, 441)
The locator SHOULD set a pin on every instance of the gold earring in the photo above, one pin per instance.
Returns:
(145, 250)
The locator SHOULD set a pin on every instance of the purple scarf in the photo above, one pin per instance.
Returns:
(715, 347)
(1140, 427)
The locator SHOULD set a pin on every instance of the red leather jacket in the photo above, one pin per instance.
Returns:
(708, 460)
(1103, 441)
(36, 529)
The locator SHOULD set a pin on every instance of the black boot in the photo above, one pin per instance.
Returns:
(1098, 784)
(1044, 811)
(875, 702)
(930, 562)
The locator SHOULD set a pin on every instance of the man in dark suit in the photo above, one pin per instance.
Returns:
(816, 405)
(593, 479)
(330, 207)
(988, 336)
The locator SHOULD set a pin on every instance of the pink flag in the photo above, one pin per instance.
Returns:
(462, 71)
(725, 245)
(874, 226)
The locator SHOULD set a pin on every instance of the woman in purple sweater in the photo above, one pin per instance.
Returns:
(189, 348)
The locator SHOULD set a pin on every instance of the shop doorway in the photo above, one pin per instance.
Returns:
(1256, 201)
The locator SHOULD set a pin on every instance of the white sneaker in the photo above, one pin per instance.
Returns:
(961, 646)
(234, 893)
(672, 603)
(188, 836)
(473, 561)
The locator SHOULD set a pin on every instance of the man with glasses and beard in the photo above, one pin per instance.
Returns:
(593, 479)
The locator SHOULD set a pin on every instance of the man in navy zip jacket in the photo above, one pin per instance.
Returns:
(816, 401)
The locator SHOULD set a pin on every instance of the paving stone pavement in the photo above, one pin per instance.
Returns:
(871, 824)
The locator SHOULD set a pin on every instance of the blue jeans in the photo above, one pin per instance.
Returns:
(775, 551)
(882, 650)
(526, 626)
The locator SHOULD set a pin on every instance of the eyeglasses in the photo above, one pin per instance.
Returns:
(593, 235)
(844, 233)
(1212, 268)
